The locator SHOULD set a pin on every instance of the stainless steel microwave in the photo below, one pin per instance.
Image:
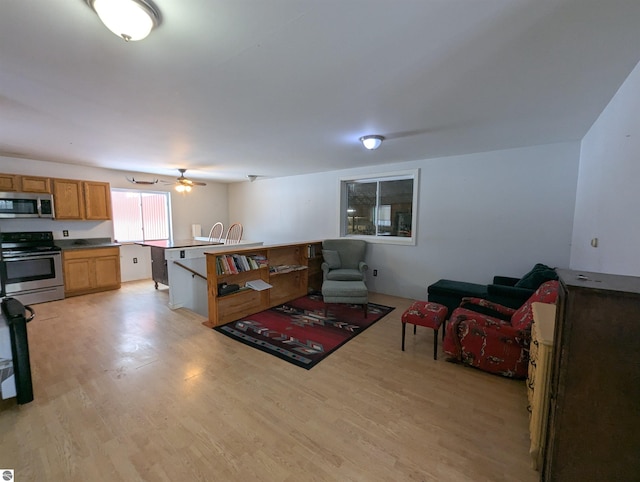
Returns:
(26, 205)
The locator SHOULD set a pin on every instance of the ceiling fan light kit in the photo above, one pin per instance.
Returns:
(129, 19)
(371, 142)
(184, 185)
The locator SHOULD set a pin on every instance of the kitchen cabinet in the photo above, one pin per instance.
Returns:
(9, 183)
(91, 270)
(35, 184)
(79, 200)
(285, 267)
(97, 198)
(68, 200)
(593, 430)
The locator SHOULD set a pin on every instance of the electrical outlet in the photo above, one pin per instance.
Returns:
(375, 272)
(135, 260)
(65, 233)
(182, 253)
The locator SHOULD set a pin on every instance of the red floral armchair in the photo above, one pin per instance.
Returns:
(494, 338)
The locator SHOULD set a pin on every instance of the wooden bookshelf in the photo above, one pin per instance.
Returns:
(287, 270)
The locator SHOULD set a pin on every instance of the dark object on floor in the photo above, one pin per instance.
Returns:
(299, 332)
(14, 313)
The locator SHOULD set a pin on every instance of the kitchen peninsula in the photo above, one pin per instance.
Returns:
(181, 265)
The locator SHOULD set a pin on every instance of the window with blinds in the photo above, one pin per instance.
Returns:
(140, 215)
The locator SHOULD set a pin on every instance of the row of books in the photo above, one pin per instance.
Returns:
(238, 263)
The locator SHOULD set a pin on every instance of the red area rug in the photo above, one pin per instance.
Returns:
(298, 331)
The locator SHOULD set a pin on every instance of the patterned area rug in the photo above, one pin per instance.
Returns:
(298, 331)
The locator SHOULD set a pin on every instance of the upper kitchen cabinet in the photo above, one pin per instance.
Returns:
(17, 183)
(35, 184)
(9, 183)
(82, 200)
(68, 199)
(97, 198)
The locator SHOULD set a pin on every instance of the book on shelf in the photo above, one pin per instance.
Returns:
(238, 263)
(258, 285)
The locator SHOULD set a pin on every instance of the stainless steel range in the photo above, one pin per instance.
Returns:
(32, 267)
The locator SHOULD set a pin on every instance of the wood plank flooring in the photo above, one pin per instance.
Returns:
(126, 389)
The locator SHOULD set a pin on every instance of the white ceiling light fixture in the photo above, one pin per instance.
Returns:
(128, 19)
(371, 142)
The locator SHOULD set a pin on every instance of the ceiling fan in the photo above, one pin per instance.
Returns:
(184, 184)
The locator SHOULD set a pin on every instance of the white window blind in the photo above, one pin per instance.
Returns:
(140, 215)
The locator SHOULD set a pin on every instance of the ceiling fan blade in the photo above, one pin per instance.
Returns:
(198, 183)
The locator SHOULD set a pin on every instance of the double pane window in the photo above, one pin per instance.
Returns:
(140, 215)
(384, 206)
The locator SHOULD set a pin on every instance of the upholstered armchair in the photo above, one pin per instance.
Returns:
(493, 337)
(344, 259)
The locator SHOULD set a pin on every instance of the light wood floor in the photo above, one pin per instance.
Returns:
(126, 389)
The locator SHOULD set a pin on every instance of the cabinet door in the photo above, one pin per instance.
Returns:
(35, 184)
(78, 275)
(97, 196)
(9, 182)
(68, 199)
(107, 271)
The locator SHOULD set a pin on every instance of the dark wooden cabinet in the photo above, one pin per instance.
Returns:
(594, 417)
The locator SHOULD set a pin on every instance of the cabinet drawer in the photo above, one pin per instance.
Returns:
(91, 253)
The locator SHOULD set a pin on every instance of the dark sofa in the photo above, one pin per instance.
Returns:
(504, 290)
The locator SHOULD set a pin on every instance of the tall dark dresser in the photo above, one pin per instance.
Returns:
(593, 428)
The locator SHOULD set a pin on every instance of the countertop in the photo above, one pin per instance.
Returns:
(187, 243)
(89, 243)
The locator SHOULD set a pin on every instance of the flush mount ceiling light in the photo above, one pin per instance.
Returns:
(129, 19)
(371, 142)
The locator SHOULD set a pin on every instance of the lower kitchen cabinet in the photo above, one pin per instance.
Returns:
(91, 270)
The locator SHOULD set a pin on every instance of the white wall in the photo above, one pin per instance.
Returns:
(204, 205)
(479, 215)
(608, 196)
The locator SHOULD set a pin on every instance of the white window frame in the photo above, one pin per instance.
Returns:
(145, 191)
(413, 174)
